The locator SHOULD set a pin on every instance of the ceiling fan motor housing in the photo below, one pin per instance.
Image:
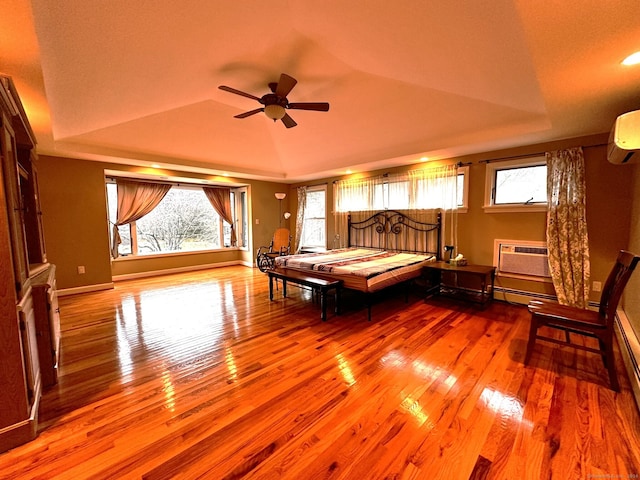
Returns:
(273, 99)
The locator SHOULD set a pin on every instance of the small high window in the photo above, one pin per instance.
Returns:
(518, 185)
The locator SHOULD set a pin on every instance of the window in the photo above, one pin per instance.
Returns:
(183, 221)
(314, 227)
(517, 185)
(417, 189)
(462, 189)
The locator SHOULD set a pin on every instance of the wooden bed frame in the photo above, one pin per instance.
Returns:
(388, 230)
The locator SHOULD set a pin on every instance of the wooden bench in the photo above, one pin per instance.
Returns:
(320, 285)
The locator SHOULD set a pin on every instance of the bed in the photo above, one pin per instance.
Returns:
(384, 249)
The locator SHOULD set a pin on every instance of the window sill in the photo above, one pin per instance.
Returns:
(125, 258)
(514, 208)
(316, 249)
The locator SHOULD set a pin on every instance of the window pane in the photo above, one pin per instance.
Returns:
(313, 230)
(244, 220)
(183, 221)
(124, 248)
(226, 228)
(315, 204)
(398, 195)
(521, 185)
(460, 190)
(437, 192)
(314, 233)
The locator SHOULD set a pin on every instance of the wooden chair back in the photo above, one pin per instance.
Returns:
(281, 241)
(615, 284)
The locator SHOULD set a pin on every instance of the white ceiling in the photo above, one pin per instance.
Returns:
(136, 81)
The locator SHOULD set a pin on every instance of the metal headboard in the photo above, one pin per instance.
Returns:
(395, 231)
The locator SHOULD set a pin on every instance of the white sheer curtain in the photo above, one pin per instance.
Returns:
(437, 188)
(350, 196)
(417, 190)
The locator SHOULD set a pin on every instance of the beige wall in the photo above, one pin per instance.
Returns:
(631, 299)
(76, 228)
(73, 202)
(609, 188)
(75, 223)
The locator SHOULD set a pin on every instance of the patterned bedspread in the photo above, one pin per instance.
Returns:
(361, 262)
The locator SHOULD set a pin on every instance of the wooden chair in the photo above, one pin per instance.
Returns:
(597, 324)
(280, 245)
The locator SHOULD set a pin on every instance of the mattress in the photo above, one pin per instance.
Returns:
(363, 269)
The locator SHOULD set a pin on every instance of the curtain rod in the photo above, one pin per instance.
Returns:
(528, 155)
(490, 160)
(165, 182)
(387, 174)
(513, 157)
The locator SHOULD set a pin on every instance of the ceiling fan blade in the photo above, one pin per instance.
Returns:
(318, 106)
(288, 121)
(248, 114)
(285, 85)
(238, 92)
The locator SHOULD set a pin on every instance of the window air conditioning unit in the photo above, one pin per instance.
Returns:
(522, 259)
(624, 140)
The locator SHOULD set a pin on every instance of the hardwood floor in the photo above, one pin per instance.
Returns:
(200, 376)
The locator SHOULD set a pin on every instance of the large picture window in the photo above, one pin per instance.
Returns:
(184, 221)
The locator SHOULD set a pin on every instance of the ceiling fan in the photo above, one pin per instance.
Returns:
(276, 103)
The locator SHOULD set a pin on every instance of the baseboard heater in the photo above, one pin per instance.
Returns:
(630, 349)
(523, 297)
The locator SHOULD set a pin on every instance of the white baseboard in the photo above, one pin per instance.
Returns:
(167, 271)
(521, 297)
(630, 348)
(85, 289)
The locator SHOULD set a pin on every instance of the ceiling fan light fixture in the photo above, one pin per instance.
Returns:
(274, 112)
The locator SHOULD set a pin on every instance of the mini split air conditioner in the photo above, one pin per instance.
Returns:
(624, 140)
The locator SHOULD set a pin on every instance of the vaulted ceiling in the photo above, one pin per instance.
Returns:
(136, 82)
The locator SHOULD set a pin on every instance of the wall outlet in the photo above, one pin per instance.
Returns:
(257, 221)
(596, 286)
(81, 269)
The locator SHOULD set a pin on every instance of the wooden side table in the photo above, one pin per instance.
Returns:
(483, 275)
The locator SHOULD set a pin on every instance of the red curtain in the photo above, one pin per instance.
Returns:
(220, 199)
(135, 200)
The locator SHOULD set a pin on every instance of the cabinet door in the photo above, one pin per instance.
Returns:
(14, 207)
(29, 347)
(48, 336)
(54, 312)
(41, 254)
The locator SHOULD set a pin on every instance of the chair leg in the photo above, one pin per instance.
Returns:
(533, 331)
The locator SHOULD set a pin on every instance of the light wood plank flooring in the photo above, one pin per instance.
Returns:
(199, 376)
